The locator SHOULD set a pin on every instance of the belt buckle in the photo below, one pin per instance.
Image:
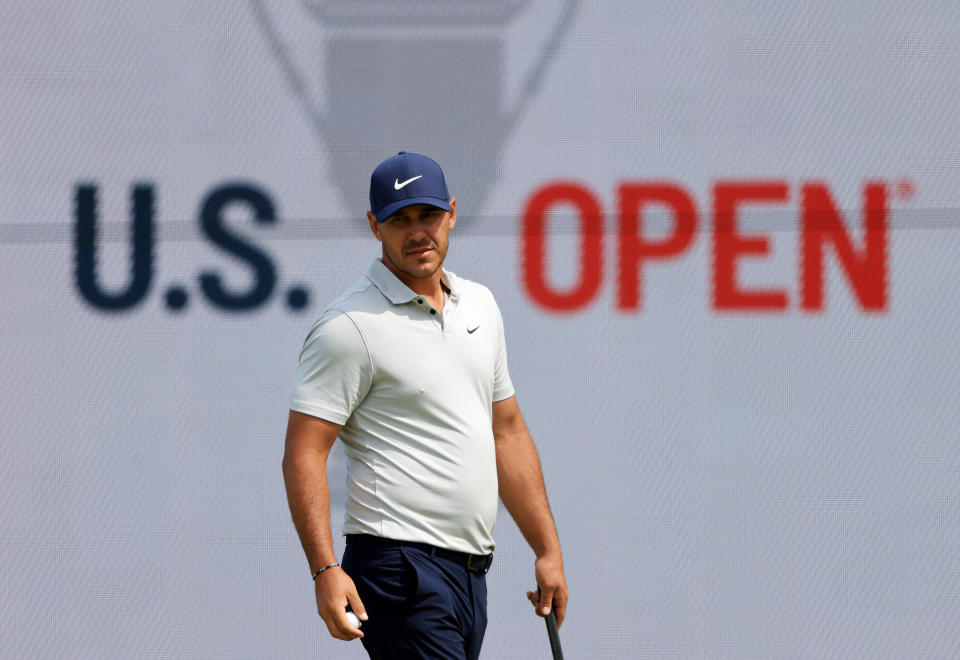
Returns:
(482, 566)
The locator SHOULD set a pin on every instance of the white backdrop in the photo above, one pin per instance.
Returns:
(748, 483)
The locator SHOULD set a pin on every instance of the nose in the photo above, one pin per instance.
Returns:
(417, 232)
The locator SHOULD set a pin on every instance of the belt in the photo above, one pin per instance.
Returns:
(474, 563)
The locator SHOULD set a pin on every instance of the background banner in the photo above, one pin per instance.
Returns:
(723, 236)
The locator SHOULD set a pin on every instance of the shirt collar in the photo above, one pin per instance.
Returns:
(396, 291)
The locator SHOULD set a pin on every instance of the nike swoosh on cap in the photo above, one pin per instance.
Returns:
(397, 185)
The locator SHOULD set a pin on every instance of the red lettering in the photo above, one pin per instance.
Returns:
(634, 248)
(823, 223)
(729, 246)
(591, 246)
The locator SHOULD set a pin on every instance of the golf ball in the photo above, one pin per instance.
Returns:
(352, 618)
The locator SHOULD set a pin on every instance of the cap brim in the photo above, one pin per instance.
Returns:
(390, 209)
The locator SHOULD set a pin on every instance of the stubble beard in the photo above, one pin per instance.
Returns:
(420, 275)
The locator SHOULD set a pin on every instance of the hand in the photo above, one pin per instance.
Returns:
(335, 590)
(551, 590)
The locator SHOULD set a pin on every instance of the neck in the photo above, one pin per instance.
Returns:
(430, 287)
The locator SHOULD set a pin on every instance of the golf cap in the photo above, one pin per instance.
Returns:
(406, 179)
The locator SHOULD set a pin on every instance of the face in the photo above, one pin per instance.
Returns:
(415, 239)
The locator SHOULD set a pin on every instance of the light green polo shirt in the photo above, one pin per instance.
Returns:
(414, 390)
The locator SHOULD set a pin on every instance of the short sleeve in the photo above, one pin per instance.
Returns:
(502, 385)
(335, 370)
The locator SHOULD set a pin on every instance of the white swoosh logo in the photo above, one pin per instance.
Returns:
(397, 185)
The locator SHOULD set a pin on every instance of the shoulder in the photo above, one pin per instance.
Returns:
(474, 292)
(359, 297)
(337, 328)
(333, 332)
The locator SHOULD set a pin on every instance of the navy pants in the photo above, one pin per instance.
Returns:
(421, 605)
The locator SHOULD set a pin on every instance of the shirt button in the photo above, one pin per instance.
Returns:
(433, 311)
(419, 301)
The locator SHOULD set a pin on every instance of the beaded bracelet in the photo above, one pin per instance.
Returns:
(321, 570)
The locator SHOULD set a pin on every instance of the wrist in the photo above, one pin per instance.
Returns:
(323, 569)
(552, 554)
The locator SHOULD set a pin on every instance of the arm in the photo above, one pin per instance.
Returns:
(308, 444)
(525, 496)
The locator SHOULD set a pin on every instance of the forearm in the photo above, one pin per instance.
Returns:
(308, 493)
(524, 494)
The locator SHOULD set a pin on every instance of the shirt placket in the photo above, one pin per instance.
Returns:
(435, 316)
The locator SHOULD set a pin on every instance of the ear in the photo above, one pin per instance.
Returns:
(374, 225)
(453, 212)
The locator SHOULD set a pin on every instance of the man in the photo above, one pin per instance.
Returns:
(409, 369)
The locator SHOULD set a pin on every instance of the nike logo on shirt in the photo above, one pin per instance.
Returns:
(397, 185)
(470, 332)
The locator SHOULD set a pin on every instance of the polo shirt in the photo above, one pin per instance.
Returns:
(413, 388)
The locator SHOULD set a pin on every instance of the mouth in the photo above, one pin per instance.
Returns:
(419, 251)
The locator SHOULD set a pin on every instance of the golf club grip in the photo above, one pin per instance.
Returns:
(554, 636)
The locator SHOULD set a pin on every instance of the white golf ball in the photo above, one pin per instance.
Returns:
(352, 618)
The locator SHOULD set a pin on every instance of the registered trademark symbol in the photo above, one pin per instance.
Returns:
(905, 190)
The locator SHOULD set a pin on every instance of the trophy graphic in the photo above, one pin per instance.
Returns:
(445, 78)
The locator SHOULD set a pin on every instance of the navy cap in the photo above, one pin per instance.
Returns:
(406, 179)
